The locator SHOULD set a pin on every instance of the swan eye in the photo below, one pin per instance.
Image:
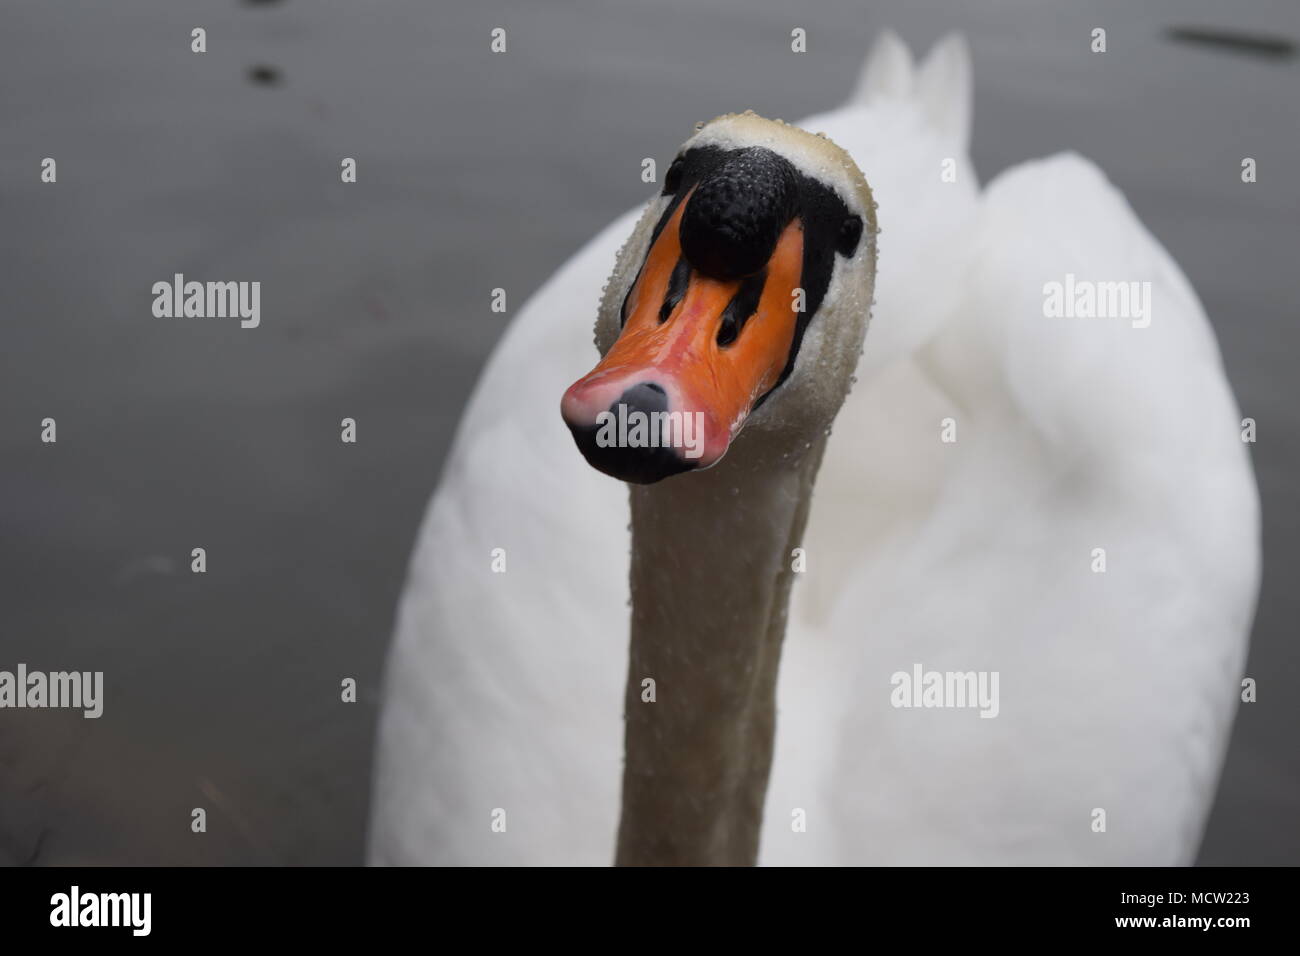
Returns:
(673, 178)
(850, 233)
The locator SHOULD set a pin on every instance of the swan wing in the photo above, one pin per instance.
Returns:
(503, 696)
(1074, 435)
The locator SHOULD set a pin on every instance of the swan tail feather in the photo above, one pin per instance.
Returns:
(887, 70)
(940, 85)
(943, 88)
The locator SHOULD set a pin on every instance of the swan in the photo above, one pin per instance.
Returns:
(1064, 502)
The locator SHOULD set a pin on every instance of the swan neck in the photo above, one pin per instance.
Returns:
(710, 575)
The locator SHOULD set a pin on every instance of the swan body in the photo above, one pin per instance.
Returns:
(504, 694)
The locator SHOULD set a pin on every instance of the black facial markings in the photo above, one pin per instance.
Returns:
(823, 214)
(686, 170)
(828, 225)
(622, 312)
(673, 178)
(741, 307)
(676, 289)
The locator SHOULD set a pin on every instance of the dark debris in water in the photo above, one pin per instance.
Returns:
(260, 3)
(37, 847)
(1253, 44)
(264, 75)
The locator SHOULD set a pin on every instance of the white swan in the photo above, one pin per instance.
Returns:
(502, 732)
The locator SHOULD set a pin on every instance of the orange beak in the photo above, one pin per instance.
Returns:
(694, 357)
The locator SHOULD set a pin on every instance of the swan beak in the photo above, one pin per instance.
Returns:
(694, 357)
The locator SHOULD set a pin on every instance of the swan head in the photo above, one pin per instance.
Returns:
(737, 308)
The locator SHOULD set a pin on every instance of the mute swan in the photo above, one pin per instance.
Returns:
(1081, 444)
